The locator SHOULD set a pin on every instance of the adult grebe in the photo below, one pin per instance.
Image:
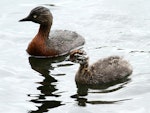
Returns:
(46, 43)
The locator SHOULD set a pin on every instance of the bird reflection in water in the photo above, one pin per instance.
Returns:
(82, 92)
(43, 66)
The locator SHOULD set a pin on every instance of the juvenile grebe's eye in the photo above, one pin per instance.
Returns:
(76, 55)
(34, 16)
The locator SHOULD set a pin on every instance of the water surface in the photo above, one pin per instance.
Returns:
(35, 85)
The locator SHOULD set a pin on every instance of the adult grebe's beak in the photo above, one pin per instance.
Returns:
(25, 19)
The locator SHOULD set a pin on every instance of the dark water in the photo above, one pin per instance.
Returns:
(110, 27)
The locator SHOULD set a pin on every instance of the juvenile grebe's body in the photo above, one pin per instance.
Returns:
(103, 71)
(54, 43)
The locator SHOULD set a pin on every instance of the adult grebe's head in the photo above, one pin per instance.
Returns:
(41, 15)
(79, 56)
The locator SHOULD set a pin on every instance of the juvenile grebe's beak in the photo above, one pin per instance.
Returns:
(67, 58)
(25, 19)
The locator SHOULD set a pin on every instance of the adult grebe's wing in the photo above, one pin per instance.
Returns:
(64, 41)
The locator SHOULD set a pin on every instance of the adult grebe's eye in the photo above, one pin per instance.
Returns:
(34, 16)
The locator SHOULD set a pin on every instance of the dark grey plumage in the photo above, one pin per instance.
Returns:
(64, 40)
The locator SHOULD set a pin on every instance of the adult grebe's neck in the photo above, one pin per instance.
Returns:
(44, 31)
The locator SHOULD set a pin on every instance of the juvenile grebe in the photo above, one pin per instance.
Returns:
(103, 71)
(56, 43)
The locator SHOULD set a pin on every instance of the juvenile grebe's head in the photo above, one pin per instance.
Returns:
(79, 56)
(40, 14)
